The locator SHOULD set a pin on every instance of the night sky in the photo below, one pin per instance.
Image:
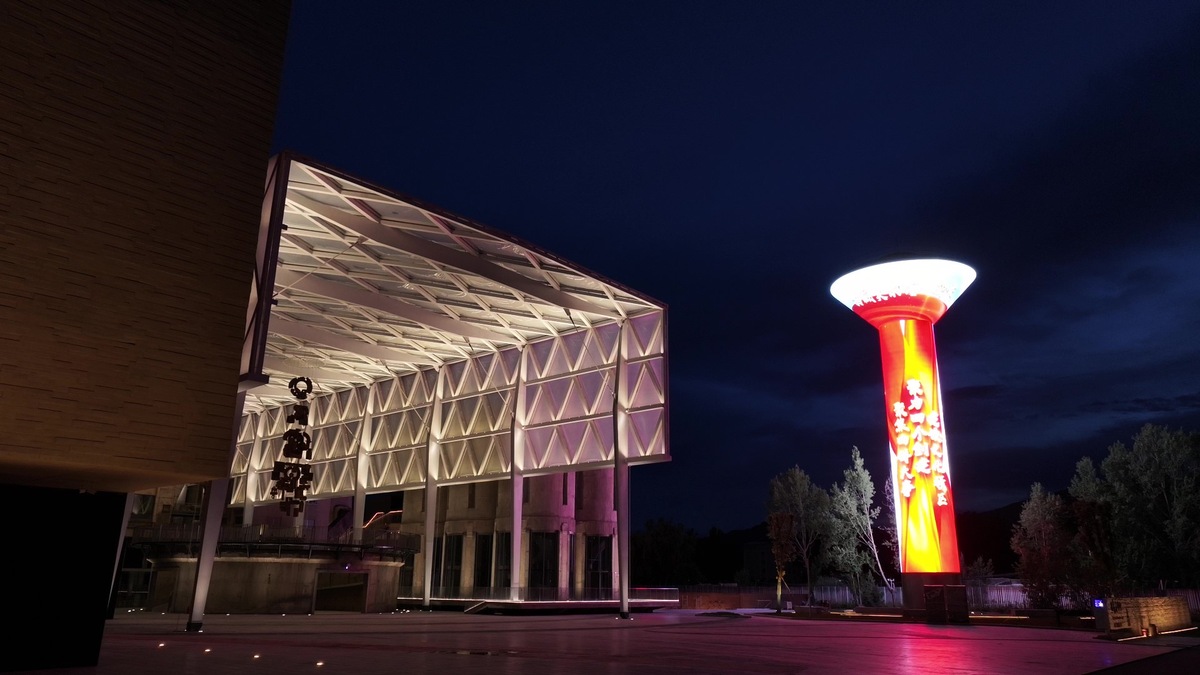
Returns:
(732, 159)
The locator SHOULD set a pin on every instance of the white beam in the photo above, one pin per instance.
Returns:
(362, 469)
(296, 367)
(433, 450)
(359, 296)
(621, 471)
(410, 243)
(308, 333)
(516, 472)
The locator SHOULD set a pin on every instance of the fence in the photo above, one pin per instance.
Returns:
(540, 594)
(980, 598)
(1013, 597)
(190, 534)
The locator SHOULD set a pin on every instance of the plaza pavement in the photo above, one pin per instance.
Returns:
(665, 642)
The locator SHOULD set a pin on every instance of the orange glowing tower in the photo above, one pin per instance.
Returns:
(903, 299)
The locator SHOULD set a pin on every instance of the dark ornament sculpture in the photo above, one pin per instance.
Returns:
(293, 479)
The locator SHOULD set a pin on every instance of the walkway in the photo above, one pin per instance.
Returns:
(666, 642)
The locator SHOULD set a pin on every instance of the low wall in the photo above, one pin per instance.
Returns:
(266, 585)
(714, 596)
(749, 598)
(1151, 615)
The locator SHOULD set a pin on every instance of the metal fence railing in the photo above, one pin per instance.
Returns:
(828, 595)
(540, 594)
(255, 534)
(994, 597)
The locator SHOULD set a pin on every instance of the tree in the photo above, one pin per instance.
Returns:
(1041, 541)
(794, 493)
(890, 529)
(1092, 545)
(781, 528)
(1152, 492)
(664, 554)
(853, 563)
(720, 556)
(851, 503)
(978, 572)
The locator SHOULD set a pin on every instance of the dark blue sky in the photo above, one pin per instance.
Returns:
(733, 158)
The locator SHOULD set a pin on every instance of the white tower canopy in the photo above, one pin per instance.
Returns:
(941, 279)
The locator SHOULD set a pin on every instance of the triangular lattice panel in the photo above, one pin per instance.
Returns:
(241, 458)
(397, 468)
(401, 429)
(644, 384)
(646, 435)
(332, 478)
(644, 336)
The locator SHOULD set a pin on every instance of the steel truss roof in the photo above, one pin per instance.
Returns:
(371, 284)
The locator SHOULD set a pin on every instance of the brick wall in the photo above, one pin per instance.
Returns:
(134, 139)
(1136, 614)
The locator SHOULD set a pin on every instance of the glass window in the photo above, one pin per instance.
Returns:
(543, 561)
(452, 574)
(599, 564)
(503, 560)
(483, 560)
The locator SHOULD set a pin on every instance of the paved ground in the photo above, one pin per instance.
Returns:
(660, 643)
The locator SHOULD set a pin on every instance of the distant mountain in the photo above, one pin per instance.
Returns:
(980, 534)
(722, 554)
(986, 534)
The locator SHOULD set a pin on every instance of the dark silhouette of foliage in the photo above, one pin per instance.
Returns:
(781, 528)
(853, 549)
(664, 554)
(1041, 540)
(1139, 514)
(807, 507)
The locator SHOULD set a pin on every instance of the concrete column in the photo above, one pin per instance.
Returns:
(580, 570)
(216, 496)
(564, 562)
(621, 473)
(433, 451)
(517, 468)
(216, 493)
(492, 562)
(112, 588)
(468, 561)
(514, 565)
(621, 502)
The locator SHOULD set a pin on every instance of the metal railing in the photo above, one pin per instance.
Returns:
(190, 533)
(257, 540)
(829, 596)
(993, 597)
(540, 594)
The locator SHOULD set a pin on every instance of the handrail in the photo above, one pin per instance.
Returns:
(263, 534)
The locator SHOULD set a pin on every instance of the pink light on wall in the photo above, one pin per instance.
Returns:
(903, 300)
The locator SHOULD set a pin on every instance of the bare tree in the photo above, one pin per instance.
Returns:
(890, 528)
(781, 528)
(853, 511)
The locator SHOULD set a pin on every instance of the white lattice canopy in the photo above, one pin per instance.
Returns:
(421, 329)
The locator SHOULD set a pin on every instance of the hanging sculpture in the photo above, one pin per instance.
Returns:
(294, 478)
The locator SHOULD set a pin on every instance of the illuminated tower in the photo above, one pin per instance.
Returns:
(903, 300)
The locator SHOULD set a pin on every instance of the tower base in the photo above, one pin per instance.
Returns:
(934, 597)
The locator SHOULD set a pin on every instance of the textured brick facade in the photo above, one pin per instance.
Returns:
(134, 141)
(1134, 615)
